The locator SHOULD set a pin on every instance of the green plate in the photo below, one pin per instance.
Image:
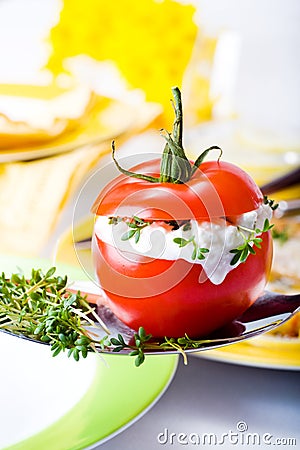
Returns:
(59, 403)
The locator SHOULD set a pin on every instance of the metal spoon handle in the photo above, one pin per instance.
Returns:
(289, 179)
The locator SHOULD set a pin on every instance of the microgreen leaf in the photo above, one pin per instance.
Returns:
(135, 224)
(242, 252)
(198, 252)
(181, 241)
(128, 235)
(42, 309)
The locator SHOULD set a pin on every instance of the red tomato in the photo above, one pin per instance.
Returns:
(171, 298)
(191, 307)
(218, 189)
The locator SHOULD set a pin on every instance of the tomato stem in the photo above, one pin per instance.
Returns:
(175, 167)
(130, 173)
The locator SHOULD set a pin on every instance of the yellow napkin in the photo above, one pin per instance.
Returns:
(35, 115)
(34, 193)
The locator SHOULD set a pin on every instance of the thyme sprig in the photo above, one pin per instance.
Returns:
(137, 349)
(251, 240)
(144, 342)
(198, 252)
(271, 203)
(41, 308)
(136, 225)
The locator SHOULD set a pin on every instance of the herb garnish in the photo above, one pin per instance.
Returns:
(244, 250)
(198, 252)
(114, 220)
(143, 342)
(271, 203)
(42, 309)
(136, 225)
(140, 339)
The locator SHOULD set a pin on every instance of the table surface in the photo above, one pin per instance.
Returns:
(210, 401)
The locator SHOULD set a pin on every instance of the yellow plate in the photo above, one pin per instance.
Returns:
(266, 351)
(102, 119)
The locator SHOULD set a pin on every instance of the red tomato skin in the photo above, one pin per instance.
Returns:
(218, 189)
(137, 298)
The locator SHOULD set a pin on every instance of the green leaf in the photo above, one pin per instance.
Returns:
(187, 226)
(39, 329)
(56, 351)
(142, 333)
(194, 254)
(257, 242)
(139, 359)
(121, 339)
(84, 352)
(35, 296)
(244, 254)
(76, 354)
(235, 259)
(267, 225)
(70, 301)
(181, 241)
(137, 236)
(128, 235)
(182, 341)
(251, 249)
(62, 338)
(114, 341)
(140, 221)
(50, 272)
(15, 278)
(128, 172)
(203, 155)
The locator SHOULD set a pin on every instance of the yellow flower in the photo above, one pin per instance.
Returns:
(150, 41)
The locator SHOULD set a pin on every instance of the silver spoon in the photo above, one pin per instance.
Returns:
(268, 312)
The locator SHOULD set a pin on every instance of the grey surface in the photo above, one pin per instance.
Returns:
(215, 398)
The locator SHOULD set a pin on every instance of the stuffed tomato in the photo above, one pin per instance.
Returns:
(181, 247)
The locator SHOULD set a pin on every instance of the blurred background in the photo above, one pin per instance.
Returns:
(76, 75)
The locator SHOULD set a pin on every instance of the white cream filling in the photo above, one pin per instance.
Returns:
(155, 241)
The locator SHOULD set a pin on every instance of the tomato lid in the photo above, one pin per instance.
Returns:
(217, 189)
